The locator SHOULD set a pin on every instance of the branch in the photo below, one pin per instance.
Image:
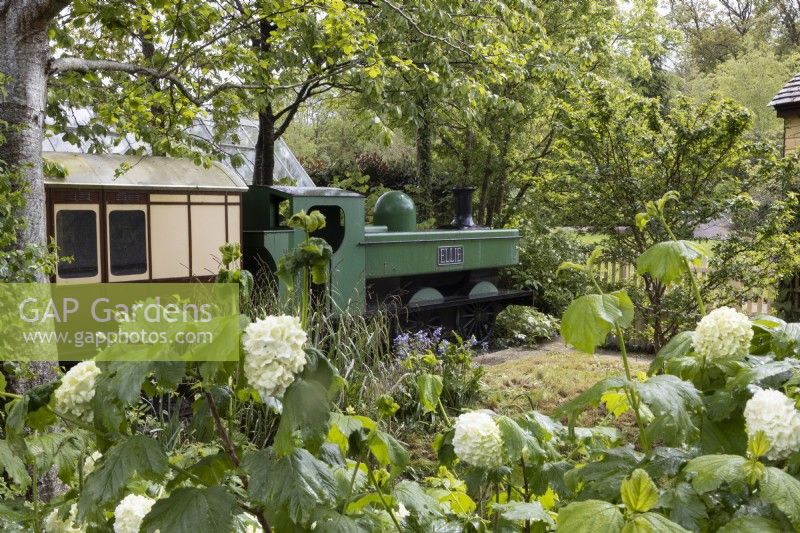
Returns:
(230, 449)
(75, 64)
(419, 30)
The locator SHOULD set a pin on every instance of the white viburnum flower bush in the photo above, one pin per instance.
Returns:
(75, 394)
(68, 524)
(273, 354)
(130, 513)
(477, 440)
(775, 414)
(724, 333)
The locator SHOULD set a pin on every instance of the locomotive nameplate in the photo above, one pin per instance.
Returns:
(450, 255)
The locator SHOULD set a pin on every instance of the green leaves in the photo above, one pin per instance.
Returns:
(783, 491)
(667, 261)
(304, 420)
(295, 486)
(192, 510)
(309, 223)
(523, 511)
(751, 524)
(673, 402)
(13, 465)
(430, 389)
(678, 346)
(639, 493)
(136, 455)
(517, 442)
(652, 523)
(314, 255)
(590, 516)
(711, 471)
(589, 319)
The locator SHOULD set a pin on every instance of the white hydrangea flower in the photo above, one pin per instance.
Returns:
(90, 462)
(74, 395)
(723, 333)
(69, 524)
(273, 354)
(774, 413)
(130, 513)
(477, 440)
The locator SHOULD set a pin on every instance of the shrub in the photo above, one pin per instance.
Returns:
(520, 325)
(541, 251)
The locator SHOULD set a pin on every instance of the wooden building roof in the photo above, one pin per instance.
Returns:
(788, 97)
(147, 172)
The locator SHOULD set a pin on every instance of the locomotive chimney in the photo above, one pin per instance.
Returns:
(462, 200)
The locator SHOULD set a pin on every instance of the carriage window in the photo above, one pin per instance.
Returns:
(127, 242)
(76, 237)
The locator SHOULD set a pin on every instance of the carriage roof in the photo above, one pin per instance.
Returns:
(145, 172)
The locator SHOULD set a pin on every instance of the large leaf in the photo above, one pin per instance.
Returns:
(590, 397)
(711, 471)
(783, 491)
(666, 261)
(136, 455)
(725, 436)
(13, 465)
(685, 506)
(388, 450)
(518, 442)
(590, 516)
(765, 373)
(638, 492)
(192, 510)
(786, 340)
(304, 418)
(678, 346)
(602, 478)
(425, 507)
(524, 511)
(751, 524)
(430, 388)
(673, 402)
(652, 523)
(588, 320)
(124, 379)
(62, 450)
(210, 470)
(295, 485)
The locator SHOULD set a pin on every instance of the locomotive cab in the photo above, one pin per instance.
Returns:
(266, 239)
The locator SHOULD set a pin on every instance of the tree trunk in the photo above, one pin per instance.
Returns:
(424, 155)
(265, 145)
(265, 148)
(24, 53)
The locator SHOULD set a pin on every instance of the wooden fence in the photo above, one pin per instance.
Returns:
(616, 274)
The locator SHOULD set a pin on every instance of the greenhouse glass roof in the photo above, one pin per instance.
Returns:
(286, 164)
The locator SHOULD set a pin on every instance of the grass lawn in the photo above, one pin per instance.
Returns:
(543, 378)
(519, 379)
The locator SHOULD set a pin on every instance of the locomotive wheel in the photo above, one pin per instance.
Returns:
(476, 320)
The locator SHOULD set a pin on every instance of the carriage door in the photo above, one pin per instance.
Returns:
(127, 239)
(77, 231)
